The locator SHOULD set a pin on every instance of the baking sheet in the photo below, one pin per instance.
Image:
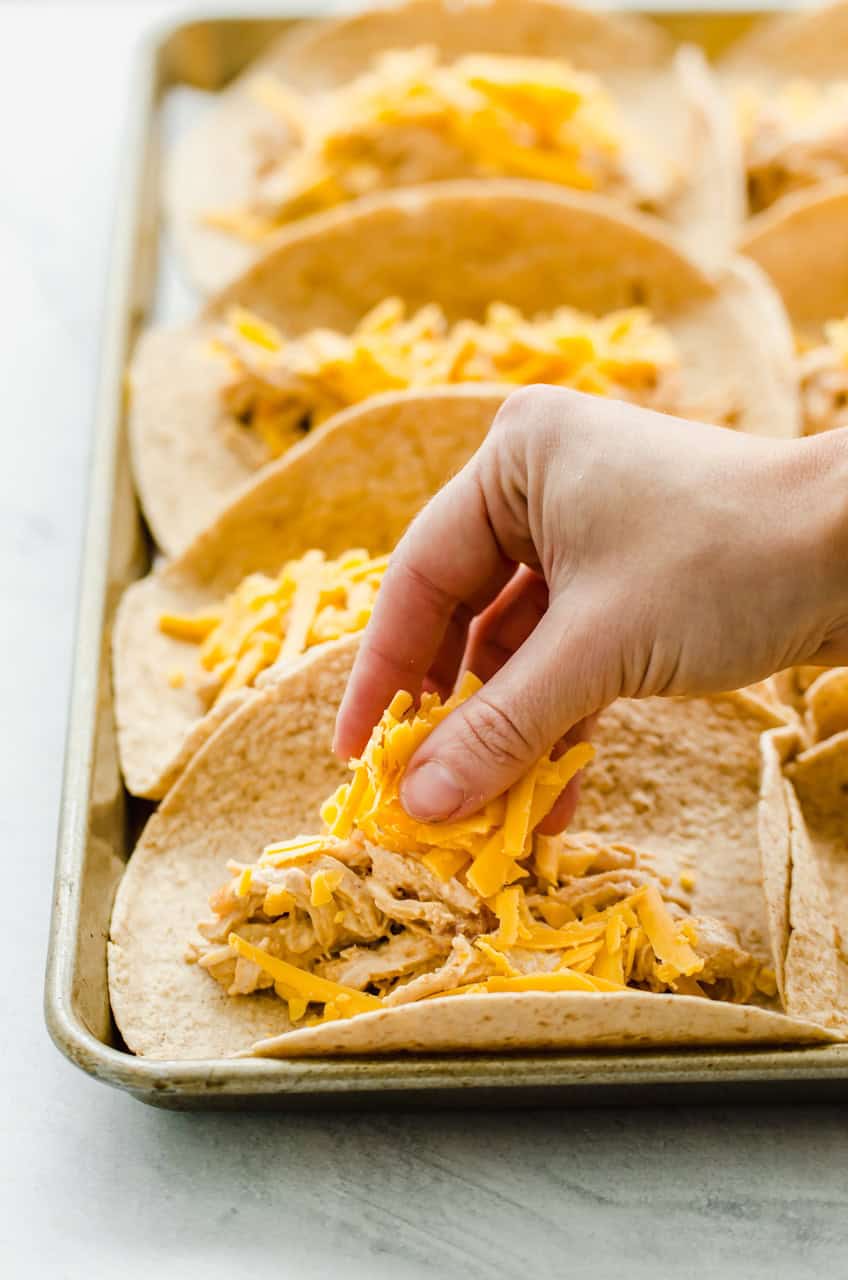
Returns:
(176, 71)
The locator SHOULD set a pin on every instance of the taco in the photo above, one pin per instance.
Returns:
(293, 562)
(433, 90)
(804, 239)
(649, 929)
(504, 282)
(789, 84)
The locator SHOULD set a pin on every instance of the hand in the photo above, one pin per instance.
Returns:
(591, 550)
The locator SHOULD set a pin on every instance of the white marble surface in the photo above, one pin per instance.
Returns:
(93, 1184)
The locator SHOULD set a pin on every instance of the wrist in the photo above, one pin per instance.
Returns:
(822, 511)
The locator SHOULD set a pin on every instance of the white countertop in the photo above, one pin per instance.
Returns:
(94, 1184)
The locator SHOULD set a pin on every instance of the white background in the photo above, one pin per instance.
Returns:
(92, 1183)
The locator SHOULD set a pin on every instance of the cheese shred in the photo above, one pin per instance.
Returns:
(490, 846)
(266, 622)
(282, 388)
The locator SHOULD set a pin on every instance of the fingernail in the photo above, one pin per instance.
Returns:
(431, 792)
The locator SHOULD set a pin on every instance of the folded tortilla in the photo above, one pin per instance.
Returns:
(663, 93)
(794, 54)
(816, 929)
(462, 246)
(802, 245)
(678, 777)
(356, 484)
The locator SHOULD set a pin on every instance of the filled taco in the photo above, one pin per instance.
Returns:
(434, 90)
(788, 81)
(459, 283)
(291, 564)
(802, 244)
(364, 932)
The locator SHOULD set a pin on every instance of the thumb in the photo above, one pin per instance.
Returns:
(553, 681)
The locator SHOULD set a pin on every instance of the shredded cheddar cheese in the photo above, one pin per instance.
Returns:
(605, 945)
(324, 885)
(490, 845)
(411, 120)
(282, 388)
(307, 986)
(267, 621)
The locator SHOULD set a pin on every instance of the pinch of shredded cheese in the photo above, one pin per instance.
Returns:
(268, 621)
(410, 119)
(282, 387)
(492, 843)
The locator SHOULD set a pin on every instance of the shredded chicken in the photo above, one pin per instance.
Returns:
(823, 376)
(362, 919)
(729, 971)
(367, 967)
(794, 138)
(463, 965)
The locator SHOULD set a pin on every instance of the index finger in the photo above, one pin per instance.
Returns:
(448, 557)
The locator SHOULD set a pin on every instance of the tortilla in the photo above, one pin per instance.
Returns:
(667, 94)
(826, 705)
(810, 43)
(819, 776)
(461, 245)
(357, 483)
(804, 239)
(775, 843)
(680, 777)
(805, 46)
(799, 906)
(536, 1020)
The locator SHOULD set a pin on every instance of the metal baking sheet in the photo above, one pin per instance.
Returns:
(99, 822)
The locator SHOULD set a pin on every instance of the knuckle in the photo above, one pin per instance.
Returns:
(524, 408)
(492, 734)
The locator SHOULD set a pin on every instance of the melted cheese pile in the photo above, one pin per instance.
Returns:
(411, 120)
(269, 621)
(487, 847)
(283, 388)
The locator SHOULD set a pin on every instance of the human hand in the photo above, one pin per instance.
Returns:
(592, 550)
